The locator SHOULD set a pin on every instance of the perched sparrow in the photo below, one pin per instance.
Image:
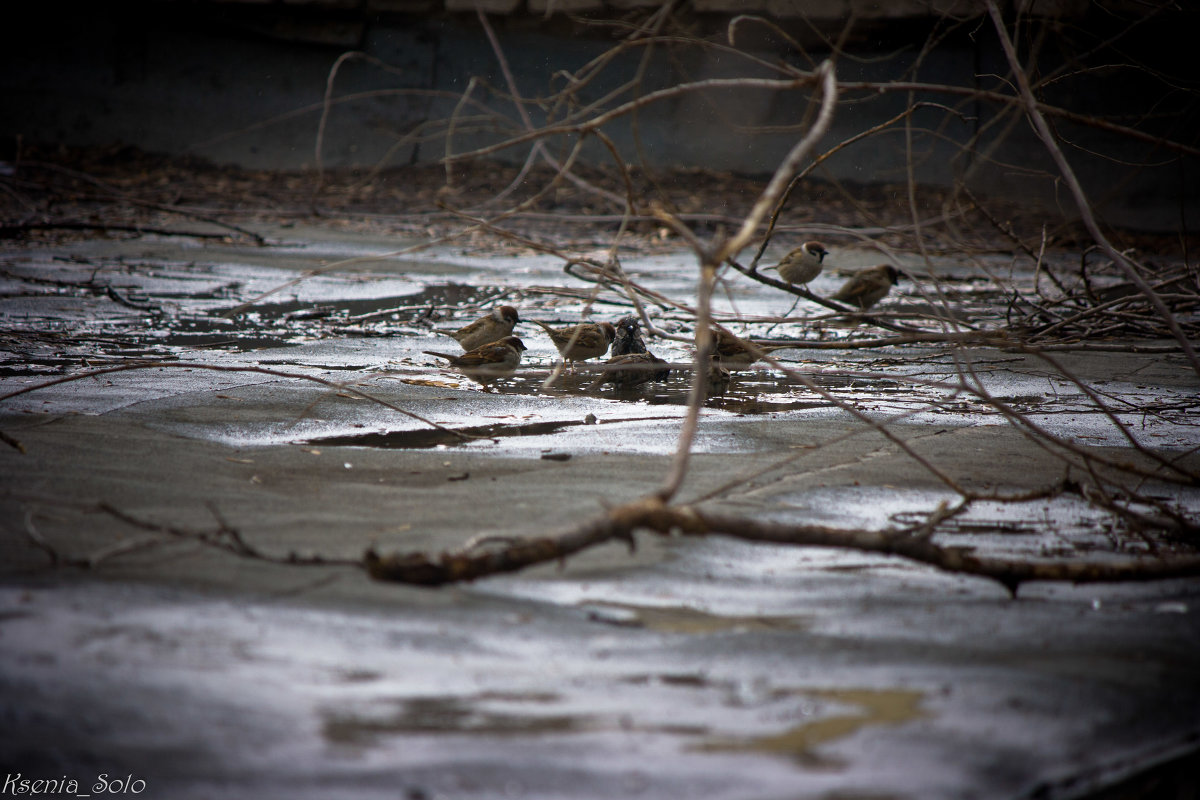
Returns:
(737, 353)
(867, 287)
(485, 330)
(581, 342)
(633, 369)
(802, 264)
(489, 362)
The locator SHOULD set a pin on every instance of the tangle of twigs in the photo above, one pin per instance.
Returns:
(1114, 300)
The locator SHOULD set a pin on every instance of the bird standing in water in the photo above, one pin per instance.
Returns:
(718, 378)
(489, 362)
(736, 353)
(581, 342)
(485, 330)
(629, 337)
(633, 369)
(632, 364)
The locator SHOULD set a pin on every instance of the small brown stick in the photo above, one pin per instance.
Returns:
(1010, 574)
(13, 443)
(1099, 347)
(122, 300)
(225, 537)
(37, 540)
(92, 285)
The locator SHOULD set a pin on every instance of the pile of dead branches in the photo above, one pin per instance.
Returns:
(1099, 302)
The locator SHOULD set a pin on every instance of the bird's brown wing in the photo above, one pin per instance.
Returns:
(852, 290)
(483, 356)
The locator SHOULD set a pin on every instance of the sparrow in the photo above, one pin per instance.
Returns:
(718, 378)
(802, 264)
(581, 342)
(631, 362)
(489, 362)
(739, 353)
(485, 330)
(632, 369)
(629, 337)
(867, 287)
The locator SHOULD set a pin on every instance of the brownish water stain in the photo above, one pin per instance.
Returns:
(871, 708)
(445, 714)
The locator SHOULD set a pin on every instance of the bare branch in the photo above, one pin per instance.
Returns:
(652, 514)
(1132, 271)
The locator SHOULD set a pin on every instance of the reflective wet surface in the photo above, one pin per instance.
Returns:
(687, 668)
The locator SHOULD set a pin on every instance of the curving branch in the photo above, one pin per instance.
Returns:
(656, 516)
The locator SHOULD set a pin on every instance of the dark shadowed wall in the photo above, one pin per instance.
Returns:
(243, 83)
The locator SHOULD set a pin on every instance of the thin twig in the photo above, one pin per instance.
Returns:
(187, 365)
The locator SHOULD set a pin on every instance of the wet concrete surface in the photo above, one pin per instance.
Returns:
(687, 668)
